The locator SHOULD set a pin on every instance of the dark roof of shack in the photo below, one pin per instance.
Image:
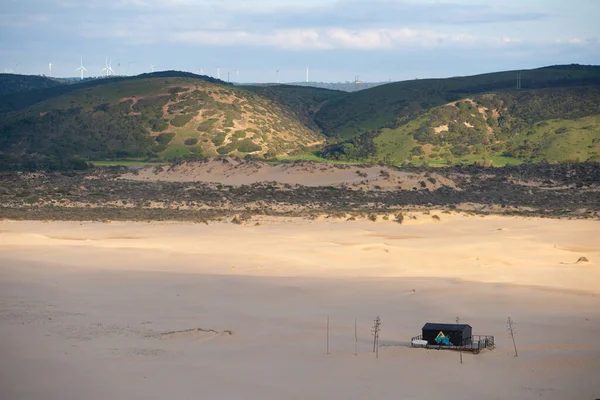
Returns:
(431, 326)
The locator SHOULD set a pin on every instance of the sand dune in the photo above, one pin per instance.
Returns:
(515, 250)
(171, 310)
(234, 172)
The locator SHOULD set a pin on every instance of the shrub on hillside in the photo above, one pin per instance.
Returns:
(228, 148)
(196, 152)
(164, 138)
(239, 134)
(207, 125)
(177, 89)
(162, 141)
(399, 218)
(562, 130)
(182, 120)
(219, 138)
(248, 146)
(190, 141)
(158, 125)
(459, 150)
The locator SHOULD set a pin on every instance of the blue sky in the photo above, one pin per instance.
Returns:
(336, 39)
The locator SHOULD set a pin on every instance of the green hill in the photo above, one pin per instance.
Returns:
(391, 104)
(22, 99)
(13, 83)
(557, 124)
(150, 117)
(555, 116)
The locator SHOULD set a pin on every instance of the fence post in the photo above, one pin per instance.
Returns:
(328, 334)
(510, 327)
(376, 329)
(355, 337)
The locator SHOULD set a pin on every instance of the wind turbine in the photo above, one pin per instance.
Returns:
(129, 68)
(112, 71)
(49, 69)
(81, 68)
(152, 68)
(118, 67)
(200, 71)
(17, 68)
(306, 74)
(218, 72)
(277, 76)
(237, 76)
(108, 69)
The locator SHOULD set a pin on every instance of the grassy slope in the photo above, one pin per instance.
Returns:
(394, 146)
(526, 132)
(580, 142)
(153, 117)
(374, 108)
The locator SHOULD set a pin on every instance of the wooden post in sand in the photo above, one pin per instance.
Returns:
(355, 337)
(376, 329)
(461, 345)
(328, 334)
(510, 327)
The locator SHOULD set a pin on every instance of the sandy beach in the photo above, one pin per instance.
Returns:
(190, 311)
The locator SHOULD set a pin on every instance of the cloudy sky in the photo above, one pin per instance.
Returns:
(337, 39)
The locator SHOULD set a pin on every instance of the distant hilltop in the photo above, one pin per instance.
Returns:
(342, 86)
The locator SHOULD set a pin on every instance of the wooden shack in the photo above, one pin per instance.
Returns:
(447, 334)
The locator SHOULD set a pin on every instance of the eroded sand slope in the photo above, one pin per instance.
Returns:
(229, 171)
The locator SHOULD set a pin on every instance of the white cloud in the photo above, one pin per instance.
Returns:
(336, 38)
(342, 34)
(11, 20)
(38, 18)
(571, 41)
(507, 40)
(286, 39)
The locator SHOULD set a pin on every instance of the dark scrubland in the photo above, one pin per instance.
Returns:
(569, 190)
